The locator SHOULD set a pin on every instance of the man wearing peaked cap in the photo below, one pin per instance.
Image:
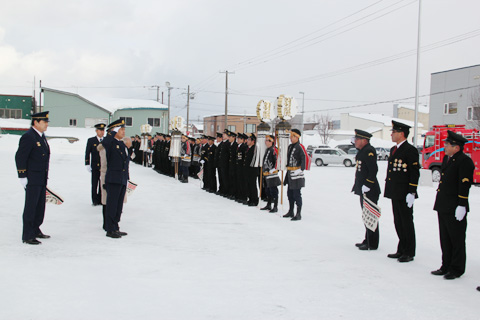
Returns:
(32, 160)
(92, 162)
(401, 185)
(116, 178)
(251, 171)
(295, 179)
(366, 183)
(452, 206)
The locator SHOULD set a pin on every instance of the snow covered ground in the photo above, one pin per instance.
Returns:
(194, 255)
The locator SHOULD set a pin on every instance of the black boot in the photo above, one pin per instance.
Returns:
(185, 180)
(268, 206)
(298, 216)
(275, 205)
(290, 211)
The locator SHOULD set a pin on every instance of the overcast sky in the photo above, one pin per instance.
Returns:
(341, 53)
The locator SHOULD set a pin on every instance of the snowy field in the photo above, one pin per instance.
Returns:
(193, 255)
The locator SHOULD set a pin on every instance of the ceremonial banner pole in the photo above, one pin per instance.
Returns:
(287, 108)
(265, 113)
(145, 129)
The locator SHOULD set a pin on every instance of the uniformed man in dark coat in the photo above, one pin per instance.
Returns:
(271, 180)
(92, 162)
(223, 163)
(241, 195)
(251, 171)
(116, 178)
(196, 158)
(296, 164)
(232, 166)
(218, 164)
(401, 187)
(452, 206)
(366, 183)
(32, 160)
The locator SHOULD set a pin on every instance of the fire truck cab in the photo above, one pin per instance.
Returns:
(433, 149)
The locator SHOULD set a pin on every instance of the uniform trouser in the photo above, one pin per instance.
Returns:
(295, 195)
(96, 187)
(223, 178)
(212, 179)
(184, 171)
(241, 183)
(34, 211)
(403, 219)
(371, 237)
(252, 191)
(232, 181)
(115, 197)
(452, 242)
(220, 179)
(271, 192)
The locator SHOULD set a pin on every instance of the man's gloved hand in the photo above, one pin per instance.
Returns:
(298, 171)
(410, 199)
(202, 161)
(365, 189)
(24, 182)
(89, 169)
(460, 213)
(272, 170)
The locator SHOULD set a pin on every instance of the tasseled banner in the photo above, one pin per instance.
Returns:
(283, 140)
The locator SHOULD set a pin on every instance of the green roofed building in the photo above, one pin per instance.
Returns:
(72, 110)
(16, 107)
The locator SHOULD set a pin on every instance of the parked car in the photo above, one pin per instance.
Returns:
(326, 156)
(310, 148)
(344, 147)
(382, 153)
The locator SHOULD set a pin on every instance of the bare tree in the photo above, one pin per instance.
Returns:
(324, 127)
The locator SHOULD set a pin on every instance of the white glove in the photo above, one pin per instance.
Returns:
(116, 129)
(89, 169)
(410, 199)
(23, 182)
(460, 213)
(365, 189)
(298, 171)
(202, 161)
(272, 170)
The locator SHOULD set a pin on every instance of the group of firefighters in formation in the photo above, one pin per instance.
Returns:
(108, 155)
(232, 158)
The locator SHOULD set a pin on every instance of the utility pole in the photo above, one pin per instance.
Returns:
(415, 129)
(226, 96)
(168, 118)
(188, 107)
(303, 113)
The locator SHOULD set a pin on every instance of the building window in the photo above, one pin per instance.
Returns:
(128, 121)
(250, 128)
(473, 113)
(212, 128)
(73, 122)
(154, 122)
(450, 108)
(11, 113)
(218, 127)
(232, 128)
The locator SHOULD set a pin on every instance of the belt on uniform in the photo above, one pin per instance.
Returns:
(267, 173)
(293, 168)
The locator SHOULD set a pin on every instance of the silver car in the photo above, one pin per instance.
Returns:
(326, 156)
(382, 153)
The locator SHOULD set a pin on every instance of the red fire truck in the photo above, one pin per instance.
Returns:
(433, 148)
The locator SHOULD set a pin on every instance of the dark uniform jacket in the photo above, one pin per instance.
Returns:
(218, 154)
(92, 151)
(224, 154)
(117, 160)
(241, 153)
(403, 172)
(455, 182)
(366, 172)
(296, 159)
(269, 163)
(32, 158)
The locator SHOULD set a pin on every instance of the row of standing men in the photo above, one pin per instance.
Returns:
(231, 157)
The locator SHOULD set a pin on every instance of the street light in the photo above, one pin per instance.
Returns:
(303, 114)
(167, 84)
